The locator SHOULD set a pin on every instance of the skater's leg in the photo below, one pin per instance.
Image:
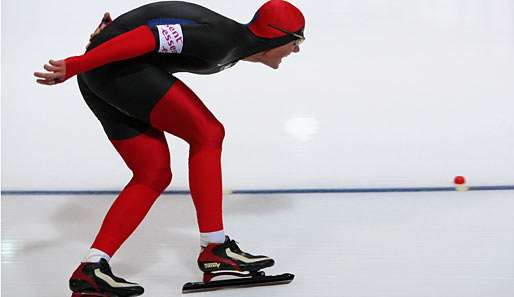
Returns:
(148, 157)
(146, 153)
(182, 113)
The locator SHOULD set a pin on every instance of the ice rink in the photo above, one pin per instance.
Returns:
(383, 94)
(437, 244)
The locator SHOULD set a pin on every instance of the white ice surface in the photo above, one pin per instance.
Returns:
(359, 245)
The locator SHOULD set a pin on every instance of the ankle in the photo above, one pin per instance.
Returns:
(212, 237)
(95, 255)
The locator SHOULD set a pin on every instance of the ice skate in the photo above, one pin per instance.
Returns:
(97, 280)
(228, 259)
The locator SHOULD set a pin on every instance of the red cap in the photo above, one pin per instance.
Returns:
(278, 13)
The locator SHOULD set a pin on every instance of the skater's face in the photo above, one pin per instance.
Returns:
(273, 57)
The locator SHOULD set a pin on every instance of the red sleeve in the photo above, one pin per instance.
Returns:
(128, 45)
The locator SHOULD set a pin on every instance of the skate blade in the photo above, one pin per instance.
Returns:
(92, 294)
(255, 281)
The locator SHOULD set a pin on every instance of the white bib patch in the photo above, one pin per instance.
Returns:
(170, 38)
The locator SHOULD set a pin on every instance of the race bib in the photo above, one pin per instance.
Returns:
(171, 39)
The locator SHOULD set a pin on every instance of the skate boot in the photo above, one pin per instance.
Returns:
(96, 279)
(228, 259)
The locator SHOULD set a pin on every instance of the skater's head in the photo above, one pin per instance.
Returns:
(273, 20)
(277, 18)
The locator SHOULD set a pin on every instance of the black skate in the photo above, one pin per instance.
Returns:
(96, 279)
(228, 259)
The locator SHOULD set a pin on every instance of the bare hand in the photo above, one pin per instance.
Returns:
(56, 73)
(106, 20)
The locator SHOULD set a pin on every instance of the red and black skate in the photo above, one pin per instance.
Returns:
(228, 259)
(96, 279)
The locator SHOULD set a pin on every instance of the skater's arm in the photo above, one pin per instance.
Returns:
(200, 41)
(128, 45)
(165, 39)
(134, 43)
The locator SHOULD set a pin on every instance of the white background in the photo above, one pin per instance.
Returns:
(383, 93)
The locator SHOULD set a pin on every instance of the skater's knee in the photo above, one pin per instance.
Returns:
(157, 178)
(210, 135)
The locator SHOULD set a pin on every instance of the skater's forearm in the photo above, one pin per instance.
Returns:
(132, 44)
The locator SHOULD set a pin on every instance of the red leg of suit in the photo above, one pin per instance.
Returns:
(181, 113)
(148, 157)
